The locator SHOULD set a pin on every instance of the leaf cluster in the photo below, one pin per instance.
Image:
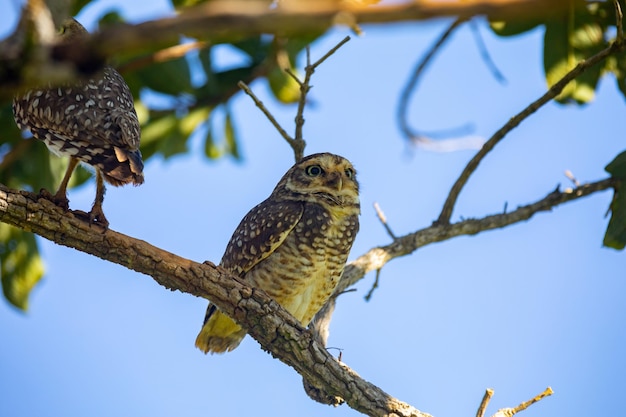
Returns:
(575, 34)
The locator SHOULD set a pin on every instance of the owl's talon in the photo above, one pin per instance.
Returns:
(96, 216)
(61, 201)
(92, 217)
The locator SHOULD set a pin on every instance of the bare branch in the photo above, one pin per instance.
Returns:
(383, 219)
(484, 403)
(305, 87)
(329, 53)
(167, 54)
(618, 20)
(546, 393)
(409, 88)
(555, 90)
(297, 143)
(510, 412)
(377, 257)
(570, 176)
(266, 112)
(369, 294)
(484, 53)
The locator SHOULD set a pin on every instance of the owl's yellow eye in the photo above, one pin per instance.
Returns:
(349, 173)
(314, 170)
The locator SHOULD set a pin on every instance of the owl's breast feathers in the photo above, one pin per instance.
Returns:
(296, 253)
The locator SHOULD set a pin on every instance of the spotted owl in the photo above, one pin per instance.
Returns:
(293, 245)
(92, 121)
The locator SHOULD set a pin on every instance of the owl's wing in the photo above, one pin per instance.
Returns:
(261, 231)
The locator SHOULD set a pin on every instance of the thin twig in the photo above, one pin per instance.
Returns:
(484, 53)
(570, 176)
(305, 87)
(167, 54)
(383, 220)
(369, 294)
(555, 90)
(266, 112)
(510, 412)
(546, 393)
(293, 76)
(330, 52)
(410, 87)
(485, 401)
(618, 20)
(296, 143)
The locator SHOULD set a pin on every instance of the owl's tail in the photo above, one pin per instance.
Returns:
(219, 332)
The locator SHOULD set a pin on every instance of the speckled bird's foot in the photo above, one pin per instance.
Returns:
(93, 217)
(61, 201)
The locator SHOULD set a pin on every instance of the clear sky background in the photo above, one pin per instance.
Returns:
(534, 305)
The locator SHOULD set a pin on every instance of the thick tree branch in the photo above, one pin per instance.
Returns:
(231, 20)
(276, 330)
(223, 19)
(376, 258)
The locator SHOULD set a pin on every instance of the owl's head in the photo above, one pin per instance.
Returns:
(71, 29)
(323, 178)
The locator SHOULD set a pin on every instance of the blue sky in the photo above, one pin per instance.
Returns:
(537, 304)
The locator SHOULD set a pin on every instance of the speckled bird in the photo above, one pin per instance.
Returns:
(92, 121)
(293, 245)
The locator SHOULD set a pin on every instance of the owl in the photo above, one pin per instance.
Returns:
(91, 121)
(293, 245)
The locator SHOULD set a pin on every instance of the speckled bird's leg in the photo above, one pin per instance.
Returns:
(60, 197)
(96, 215)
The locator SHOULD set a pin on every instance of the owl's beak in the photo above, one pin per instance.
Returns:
(335, 180)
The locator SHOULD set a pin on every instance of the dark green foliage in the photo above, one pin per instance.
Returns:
(579, 32)
(615, 236)
(20, 264)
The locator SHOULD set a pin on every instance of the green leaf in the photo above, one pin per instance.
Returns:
(211, 150)
(21, 266)
(617, 167)
(284, 87)
(569, 39)
(77, 6)
(167, 133)
(615, 236)
(110, 18)
(619, 69)
(186, 3)
(170, 77)
(256, 48)
(513, 27)
(230, 137)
